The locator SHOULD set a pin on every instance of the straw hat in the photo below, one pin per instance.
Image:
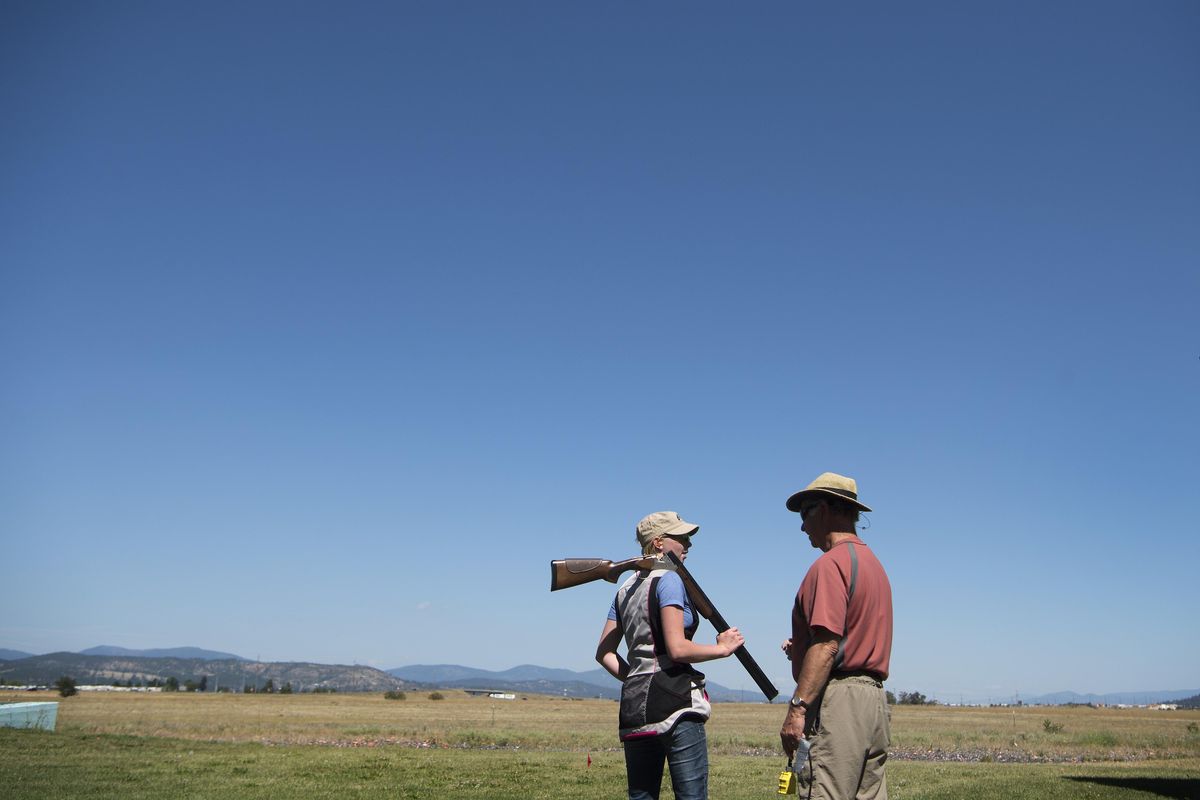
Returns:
(828, 484)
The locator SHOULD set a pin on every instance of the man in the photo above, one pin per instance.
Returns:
(840, 649)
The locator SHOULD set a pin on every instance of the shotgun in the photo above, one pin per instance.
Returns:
(569, 572)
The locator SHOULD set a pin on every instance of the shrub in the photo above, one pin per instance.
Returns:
(394, 695)
(66, 686)
(1193, 728)
(1051, 727)
(915, 699)
(437, 696)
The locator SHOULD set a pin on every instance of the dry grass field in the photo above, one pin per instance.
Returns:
(182, 745)
(1046, 733)
(539, 722)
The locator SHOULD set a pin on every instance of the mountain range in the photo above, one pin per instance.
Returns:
(110, 650)
(1112, 698)
(168, 652)
(233, 674)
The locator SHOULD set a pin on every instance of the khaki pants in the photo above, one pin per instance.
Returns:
(849, 736)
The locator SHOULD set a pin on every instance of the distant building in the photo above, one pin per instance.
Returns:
(495, 694)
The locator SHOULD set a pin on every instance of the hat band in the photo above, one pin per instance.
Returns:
(843, 492)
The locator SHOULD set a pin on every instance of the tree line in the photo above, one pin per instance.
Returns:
(67, 686)
(910, 699)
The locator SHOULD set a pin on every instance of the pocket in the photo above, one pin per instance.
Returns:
(633, 701)
(668, 694)
(887, 726)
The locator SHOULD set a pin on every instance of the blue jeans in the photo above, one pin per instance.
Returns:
(685, 749)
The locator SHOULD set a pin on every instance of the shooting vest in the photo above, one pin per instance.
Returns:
(658, 691)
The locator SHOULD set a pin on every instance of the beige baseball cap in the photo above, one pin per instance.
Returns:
(663, 523)
(828, 484)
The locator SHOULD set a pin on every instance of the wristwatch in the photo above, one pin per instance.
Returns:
(798, 702)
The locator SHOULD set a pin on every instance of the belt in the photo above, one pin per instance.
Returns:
(856, 673)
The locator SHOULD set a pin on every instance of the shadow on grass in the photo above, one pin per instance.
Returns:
(1177, 788)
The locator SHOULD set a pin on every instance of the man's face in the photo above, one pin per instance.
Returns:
(811, 515)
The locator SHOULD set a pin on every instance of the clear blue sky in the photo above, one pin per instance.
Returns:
(325, 327)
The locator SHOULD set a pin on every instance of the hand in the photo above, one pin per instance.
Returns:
(792, 731)
(730, 640)
(786, 647)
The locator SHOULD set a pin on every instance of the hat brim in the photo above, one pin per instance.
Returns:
(681, 529)
(794, 502)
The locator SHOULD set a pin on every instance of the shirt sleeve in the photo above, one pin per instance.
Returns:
(612, 610)
(825, 596)
(671, 591)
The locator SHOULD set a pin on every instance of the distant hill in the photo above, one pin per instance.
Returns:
(438, 674)
(1112, 698)
(442, 673)
(524, 678)
(1190, 702)
(231, 673)
(541, 680)
(12, 655)
(169, 652)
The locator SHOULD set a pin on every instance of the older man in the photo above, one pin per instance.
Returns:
(840, 649)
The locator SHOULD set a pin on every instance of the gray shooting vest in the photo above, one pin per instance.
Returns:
(658, 691)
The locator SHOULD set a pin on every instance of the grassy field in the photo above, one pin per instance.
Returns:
(312, 746)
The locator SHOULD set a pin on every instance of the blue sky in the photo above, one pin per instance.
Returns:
(324, 328)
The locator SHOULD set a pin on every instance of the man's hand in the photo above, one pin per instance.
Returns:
(786, 647)
(813, 674)
(792, 731)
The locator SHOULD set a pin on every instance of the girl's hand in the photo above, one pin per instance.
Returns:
(730, 640)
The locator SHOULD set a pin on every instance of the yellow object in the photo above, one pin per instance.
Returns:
(787, 780)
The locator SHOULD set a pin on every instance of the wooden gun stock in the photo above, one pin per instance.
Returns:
(706, 609)
(569, 572)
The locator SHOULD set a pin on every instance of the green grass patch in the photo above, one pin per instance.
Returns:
(96, 767)
(1098, 739)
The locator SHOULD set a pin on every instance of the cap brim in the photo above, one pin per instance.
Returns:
(681, 528)
(794, 502)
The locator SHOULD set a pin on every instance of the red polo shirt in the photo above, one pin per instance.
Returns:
(864, 623)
